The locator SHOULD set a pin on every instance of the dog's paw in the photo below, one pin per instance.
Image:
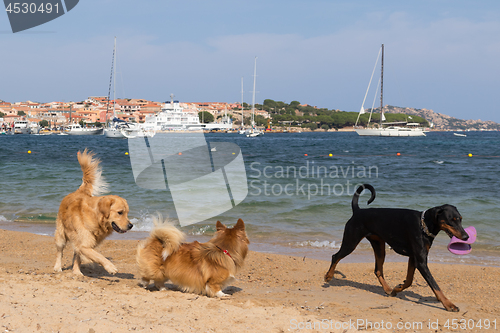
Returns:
(143, 283)
(220, 294)
(395, 291)
(452, 308)
(111, 269)
(77, 272)
(160, 286)
(57, 269)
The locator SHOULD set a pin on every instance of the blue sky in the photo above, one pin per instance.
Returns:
(442, 55)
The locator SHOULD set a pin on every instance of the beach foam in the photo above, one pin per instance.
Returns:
(326, 244)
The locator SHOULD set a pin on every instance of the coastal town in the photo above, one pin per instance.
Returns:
(98, 111)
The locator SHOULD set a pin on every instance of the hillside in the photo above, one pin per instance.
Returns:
(304, 115)
(444, 122)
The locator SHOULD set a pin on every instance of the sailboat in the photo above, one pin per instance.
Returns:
(118, 128)
(385, 128)
(254, 131)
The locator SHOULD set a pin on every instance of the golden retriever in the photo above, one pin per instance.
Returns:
(202, 268)
(86, 220)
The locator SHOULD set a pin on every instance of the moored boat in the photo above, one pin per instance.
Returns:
(397, 129)
(77, 129)
(21, 127)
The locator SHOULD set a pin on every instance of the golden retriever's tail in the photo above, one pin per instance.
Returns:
(93, 183)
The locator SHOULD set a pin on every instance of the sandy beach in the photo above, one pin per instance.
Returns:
(273, 293)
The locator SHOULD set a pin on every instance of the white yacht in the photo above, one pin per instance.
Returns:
(172, 118)
(392, 129)
(21, 127)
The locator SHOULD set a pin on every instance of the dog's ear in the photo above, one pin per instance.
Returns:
(220, 226)
(240, 225)
(439, 214)
(104, 206)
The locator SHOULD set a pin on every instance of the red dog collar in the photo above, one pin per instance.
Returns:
(225, 251)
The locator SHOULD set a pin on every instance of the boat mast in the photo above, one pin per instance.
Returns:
(110, 80)
(242, 119)
(382, 87)
(114, 80)
(253, 97)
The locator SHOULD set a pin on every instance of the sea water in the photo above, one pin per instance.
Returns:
(300, 186)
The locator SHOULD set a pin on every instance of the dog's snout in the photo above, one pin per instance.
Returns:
(465, 236)
(130, 226)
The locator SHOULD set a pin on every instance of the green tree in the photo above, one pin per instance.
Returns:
(269, 103)
(311, 126)
(260, 121)
(43, 123)
(206, 117)
(21, 113)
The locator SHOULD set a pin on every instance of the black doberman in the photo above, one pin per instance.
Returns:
(408, 232)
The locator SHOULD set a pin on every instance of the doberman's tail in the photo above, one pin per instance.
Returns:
(360, 189)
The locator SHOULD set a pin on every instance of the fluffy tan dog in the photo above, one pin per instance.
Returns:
(202, 268)
(86, 220)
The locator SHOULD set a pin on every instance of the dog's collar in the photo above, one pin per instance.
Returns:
(225, 251)
(424, 226)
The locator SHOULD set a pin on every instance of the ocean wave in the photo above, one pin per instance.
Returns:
(4, 219)
(201, 230)
(327, 244)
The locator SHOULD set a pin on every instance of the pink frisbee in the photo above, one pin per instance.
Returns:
(460, 247)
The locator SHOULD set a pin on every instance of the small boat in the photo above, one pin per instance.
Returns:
(77, 129)
(118, 128)
(45, 132)
(253, 131)
(34, 128)
(459, 134)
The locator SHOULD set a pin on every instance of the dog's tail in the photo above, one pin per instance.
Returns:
(93, 183)
(168, 235)
(164, 240)
(355, 198)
